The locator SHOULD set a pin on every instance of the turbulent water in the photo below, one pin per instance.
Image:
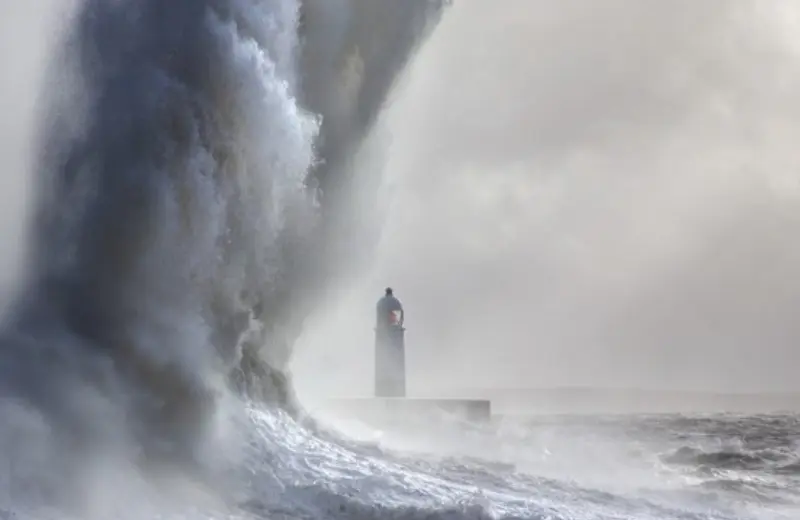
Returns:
(194, 161)
(598, 467)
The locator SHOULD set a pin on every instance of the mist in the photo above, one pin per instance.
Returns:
(587, 194)
(574, 195)
(28, 31)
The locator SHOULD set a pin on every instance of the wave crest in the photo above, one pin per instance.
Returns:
(192, 155)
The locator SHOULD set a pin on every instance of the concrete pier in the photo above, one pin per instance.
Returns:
(410, 409)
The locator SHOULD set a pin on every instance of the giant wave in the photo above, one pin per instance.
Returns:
(192, 158)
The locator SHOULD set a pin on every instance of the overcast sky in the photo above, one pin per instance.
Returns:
(601, 193)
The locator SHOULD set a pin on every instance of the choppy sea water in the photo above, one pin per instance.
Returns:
(721, 467)
(577, 467)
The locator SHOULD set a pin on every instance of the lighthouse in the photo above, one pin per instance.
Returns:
(390, 355)
(390, 407)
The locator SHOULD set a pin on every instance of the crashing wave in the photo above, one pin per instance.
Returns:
(193, 157)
